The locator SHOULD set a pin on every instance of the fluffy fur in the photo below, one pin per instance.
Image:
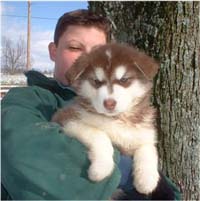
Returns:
(113, 83)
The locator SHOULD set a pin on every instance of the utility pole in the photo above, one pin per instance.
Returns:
(28, 64)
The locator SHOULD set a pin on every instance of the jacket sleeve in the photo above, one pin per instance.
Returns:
(38, 160)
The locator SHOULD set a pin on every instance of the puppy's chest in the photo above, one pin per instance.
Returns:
(122, 128)
(123, 134)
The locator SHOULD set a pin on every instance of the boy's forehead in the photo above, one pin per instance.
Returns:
(86, 36)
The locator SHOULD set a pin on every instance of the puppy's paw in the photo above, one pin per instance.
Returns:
(146, 181)
(100, 169)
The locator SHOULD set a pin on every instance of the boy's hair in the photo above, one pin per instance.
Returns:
(81, 17)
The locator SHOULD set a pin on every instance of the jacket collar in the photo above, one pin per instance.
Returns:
(35, 78)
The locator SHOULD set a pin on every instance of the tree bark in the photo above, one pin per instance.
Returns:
(168, 31)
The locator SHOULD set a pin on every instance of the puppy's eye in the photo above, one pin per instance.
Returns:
(124, 79)
(98, 83)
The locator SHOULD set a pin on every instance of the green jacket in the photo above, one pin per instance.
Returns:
(38, 160)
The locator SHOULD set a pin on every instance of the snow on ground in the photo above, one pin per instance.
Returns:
(18, 79)
(9, 81)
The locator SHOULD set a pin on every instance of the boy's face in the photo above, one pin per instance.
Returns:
(74, 41)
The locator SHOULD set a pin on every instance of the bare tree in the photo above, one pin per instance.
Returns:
(13, 55)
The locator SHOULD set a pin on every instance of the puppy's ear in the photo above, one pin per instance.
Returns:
(77, 69)
(147, 65)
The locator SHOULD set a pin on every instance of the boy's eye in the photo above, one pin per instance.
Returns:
(74, 48)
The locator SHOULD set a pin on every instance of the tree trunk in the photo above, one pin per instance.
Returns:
(168, 31)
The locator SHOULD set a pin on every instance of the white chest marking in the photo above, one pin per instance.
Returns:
(119, 133)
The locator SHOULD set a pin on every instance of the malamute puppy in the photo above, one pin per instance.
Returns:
(114, 83)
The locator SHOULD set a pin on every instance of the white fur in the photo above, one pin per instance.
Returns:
(146, 175)
(119, 133)
(109, 54)
(120, 72)
(125, 97)
(99, 73)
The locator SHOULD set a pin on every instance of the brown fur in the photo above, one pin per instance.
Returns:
(141, 65)
(64, 114)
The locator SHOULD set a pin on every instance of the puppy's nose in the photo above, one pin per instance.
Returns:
(109, 104)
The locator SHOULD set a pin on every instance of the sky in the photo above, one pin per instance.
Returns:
(44, 16)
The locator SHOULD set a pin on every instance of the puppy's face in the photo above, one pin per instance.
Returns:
(113, 78)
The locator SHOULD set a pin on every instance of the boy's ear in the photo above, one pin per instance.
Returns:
(147, 65)
(52, 51)
(77, 69)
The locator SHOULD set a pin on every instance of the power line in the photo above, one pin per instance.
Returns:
(41, 18)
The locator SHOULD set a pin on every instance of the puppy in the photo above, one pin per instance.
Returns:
(113, 83)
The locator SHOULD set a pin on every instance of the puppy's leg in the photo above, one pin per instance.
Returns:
(99, 145)
(146, 174)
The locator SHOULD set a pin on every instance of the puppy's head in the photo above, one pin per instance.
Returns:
(113, 78)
